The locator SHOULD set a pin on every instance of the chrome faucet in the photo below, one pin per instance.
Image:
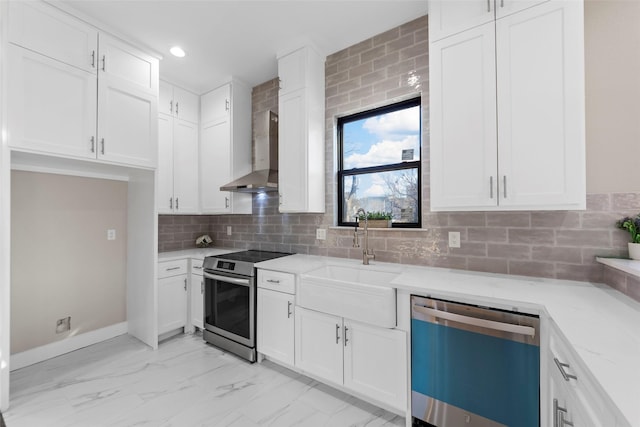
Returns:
(366, 253)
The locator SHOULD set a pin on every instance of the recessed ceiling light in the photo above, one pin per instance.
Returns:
(177, 51)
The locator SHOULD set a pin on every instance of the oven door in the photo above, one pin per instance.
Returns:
(229, 307)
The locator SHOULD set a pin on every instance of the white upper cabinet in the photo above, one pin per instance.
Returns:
(178, 154)
(450, 17)
(178, 103)
(40, 28)
(59, 108)
(301, 150)
(127, 104)
(507, 112)
(51, 106)
(225, 148)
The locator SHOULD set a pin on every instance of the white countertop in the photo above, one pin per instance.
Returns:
(601, 324)
(195, 253)
(629, 266)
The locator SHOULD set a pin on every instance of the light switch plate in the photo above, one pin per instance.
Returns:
(228, 230)
(321, 234)
(111, 234)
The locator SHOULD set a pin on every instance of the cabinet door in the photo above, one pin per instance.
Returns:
(463, 120)
(216, 105)
(448, 17)
(507, 7)
(46, 30)
(197, 301)
(318, 344)
(375, 362)
(186, 105)
(292, 152)
(164, 172)
(540, 76)
(172, 303)
(127, 104)
(50, 106)
(275, 325)
(165, 98)
(292, 69)
(215, 166)
(185, 167)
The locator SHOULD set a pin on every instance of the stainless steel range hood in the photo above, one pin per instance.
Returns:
(265, 159)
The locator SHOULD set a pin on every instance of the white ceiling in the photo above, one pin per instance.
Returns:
(241, 38)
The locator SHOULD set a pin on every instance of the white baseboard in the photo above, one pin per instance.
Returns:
(42, 353)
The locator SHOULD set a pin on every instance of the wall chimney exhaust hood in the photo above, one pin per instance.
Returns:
(265, 159)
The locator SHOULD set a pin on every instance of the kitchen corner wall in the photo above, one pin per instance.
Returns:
(394, 66)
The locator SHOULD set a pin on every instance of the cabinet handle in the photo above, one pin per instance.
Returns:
(227, 105)
(280, 198)
(346, 339)
(170, 202)
(491, 186)
(172, 268)
(337, 333)
(504, 187)
(558, 415)
(273, 281)
(226, 202)
(197, 267)
(177, 203)
(93, 59)
(93, 144)
(171, 106)
(102, 145)
(488, 5)
(177, 108)
(289, 313)
(185, 284)
(104, 62)
(202, 286)
(564, 373)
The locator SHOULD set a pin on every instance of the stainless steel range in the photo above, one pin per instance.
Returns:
(230, 300)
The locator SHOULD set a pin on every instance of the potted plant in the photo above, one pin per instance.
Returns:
(632, 225)
(378, 219)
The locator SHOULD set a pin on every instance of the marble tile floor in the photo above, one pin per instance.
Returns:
(122, 382)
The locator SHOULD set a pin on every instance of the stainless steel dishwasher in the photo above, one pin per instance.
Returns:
(473, 366)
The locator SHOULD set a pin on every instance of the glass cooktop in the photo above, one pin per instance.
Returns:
(252, 256)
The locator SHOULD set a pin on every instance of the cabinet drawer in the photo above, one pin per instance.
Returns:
(277, 281)
(196, 266)
(588, 401)
(172, 268)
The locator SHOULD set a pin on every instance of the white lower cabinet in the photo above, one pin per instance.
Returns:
(275, 335)
(366, 359)
(574, 396)
(172, 295)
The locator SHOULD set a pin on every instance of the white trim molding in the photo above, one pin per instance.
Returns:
(48, 351)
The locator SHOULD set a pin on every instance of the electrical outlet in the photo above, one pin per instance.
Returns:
(454, 239)
(228, 230)
(63, 325)
(321, 234)
(111, 234)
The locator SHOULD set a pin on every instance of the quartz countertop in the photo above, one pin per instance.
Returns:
(600, 323)
(195, 253)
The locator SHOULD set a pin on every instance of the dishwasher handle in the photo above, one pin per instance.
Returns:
(482, 323)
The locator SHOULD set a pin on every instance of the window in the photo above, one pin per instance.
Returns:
(379, 164)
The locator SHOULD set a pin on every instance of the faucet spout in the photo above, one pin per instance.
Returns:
(367, 254)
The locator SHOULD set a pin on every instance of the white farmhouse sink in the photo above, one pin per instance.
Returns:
(359, 293)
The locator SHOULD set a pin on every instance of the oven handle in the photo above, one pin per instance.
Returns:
(483, 323)
(243, 282)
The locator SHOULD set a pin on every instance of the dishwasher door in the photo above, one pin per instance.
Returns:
(473, 366)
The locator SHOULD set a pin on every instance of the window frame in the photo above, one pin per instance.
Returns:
(407, 165)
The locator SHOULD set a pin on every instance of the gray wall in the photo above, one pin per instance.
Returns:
(61, 261)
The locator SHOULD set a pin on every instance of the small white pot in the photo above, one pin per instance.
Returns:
(634, 251)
